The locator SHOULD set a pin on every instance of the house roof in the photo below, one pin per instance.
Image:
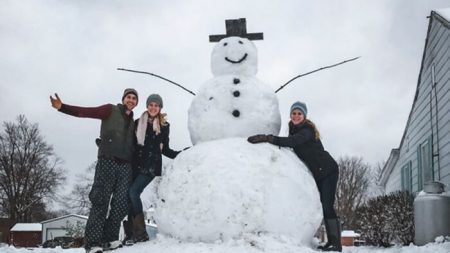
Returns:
(349, 233)
(27, 227)
(442, 16)
(389, 165)
(65, 216)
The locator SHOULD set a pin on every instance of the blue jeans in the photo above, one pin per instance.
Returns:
(137, 187)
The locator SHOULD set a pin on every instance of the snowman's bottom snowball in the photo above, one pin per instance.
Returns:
(221, 189)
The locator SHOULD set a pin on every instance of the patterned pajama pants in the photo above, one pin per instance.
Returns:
(109, 190)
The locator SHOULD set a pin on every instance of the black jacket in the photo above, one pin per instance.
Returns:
(302, 139)
(147, 159)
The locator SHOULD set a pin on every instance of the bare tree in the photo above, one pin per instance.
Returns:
(78, 200)
(354, 182)
(375, 188)
(30, 172)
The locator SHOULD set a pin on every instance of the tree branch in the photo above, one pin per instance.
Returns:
(316, 70)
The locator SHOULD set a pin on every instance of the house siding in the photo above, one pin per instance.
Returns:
(56, 227)
(429, 118)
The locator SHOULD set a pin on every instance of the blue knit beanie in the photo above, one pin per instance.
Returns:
(155, 98)
(300, 106)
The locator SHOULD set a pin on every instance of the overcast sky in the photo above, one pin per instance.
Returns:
(74, 48)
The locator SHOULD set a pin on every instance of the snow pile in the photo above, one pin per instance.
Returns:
(250, 244)
(207, 196)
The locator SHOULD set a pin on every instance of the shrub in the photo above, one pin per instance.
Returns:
(387, 219)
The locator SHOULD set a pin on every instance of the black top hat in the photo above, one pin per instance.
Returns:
(236, 27)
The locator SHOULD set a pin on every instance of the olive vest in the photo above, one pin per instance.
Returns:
(117, 135)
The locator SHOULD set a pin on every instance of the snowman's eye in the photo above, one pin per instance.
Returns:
(225, 44)
(240, 42)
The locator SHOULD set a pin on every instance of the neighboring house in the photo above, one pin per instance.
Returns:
(349, 237)
(25, 234)
(58, 226)
(424, 151)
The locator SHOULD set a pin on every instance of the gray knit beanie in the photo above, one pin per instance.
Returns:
(300, 106)
(155, 98)
(132, 91)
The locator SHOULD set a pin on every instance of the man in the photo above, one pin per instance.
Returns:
(113, 170)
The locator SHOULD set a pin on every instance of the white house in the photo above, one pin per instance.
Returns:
(56, 227)
(424, 151)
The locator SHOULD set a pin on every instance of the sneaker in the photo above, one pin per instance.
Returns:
(113, 245)
(94, 249)
(128, 242)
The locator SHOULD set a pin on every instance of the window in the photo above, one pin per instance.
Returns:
(407, 177)
(424, 163)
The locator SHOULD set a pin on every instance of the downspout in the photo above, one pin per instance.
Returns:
(433, 87)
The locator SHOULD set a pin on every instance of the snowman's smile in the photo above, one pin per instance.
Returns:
(239, 61)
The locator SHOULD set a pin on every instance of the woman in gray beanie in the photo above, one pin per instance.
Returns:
(152, 141)
(304, 138)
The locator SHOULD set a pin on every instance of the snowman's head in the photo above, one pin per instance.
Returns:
(234, 55)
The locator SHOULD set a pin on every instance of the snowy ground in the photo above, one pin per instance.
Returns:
(250, 244)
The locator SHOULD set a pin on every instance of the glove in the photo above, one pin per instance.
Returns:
(260, 138)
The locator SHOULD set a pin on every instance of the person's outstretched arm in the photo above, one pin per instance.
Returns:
(100, 112)
(166, 150)
(303, 136)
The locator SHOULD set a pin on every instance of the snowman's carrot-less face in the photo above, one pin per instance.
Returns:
(234, 55)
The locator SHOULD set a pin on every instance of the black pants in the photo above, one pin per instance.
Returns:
(327, 190)
(109, 190)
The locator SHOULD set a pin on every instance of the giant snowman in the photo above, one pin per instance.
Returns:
(224, 187)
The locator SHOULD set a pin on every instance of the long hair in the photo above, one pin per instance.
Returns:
(162, 118)
(316, 131)
(309, 122)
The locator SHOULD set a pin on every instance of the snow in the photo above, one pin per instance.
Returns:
(349, 233)
(260, 244)
(238, 189)
(211, 111)
(27, 227)
(445, 13)
(423, 193)
(234, 55)
(234, 89)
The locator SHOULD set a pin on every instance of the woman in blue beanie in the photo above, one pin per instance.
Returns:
(152, 141)
(304, 138)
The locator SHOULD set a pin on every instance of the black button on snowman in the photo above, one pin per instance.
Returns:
(234, 103)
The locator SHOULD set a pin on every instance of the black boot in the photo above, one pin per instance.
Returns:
(139, 230)
(333, 227)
